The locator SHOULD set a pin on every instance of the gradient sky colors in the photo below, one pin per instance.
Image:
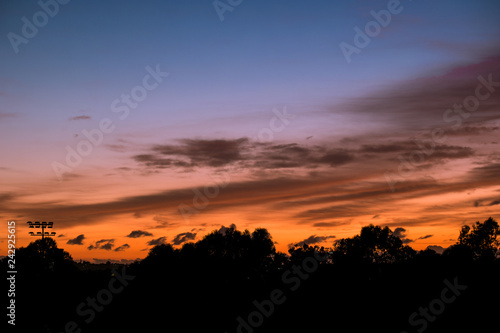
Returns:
(323, 172)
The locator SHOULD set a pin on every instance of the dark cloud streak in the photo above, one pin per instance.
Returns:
(139, 233)
(76, 241)
(183, 237)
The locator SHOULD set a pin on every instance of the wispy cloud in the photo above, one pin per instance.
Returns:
(80, 118)
(183, 237)
(8, 115)
(246, 153)
(157, 241)
(311, 240)
(78, 240)
(324, 199)
(483, 203)
(194, 152)
(401, 233)
(419, 104)
(103, 244)
(437, 248)
(139, 233)
(164, 221)
(122, 248)
(425, 237)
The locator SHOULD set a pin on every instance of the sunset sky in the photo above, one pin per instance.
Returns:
(133, 123)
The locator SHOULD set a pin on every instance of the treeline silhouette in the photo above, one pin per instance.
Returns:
(236, 281)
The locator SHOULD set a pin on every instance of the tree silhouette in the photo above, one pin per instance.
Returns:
(43, 254)
(478, 242)
(225, 244)
(299, 253)
(160, 253)
(231, 275)
(373, 245)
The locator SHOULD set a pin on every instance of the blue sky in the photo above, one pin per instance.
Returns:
(263, 53)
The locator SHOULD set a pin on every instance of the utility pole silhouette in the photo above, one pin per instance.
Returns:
(43, 233)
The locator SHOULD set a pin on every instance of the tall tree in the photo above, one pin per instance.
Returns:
(43, 254)
(482, 238)
(373, 245)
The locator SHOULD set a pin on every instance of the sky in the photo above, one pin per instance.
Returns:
(135, 123)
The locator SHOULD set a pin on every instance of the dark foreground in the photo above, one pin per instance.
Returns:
(234, 281)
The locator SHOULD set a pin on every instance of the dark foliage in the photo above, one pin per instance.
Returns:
(370, 282)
